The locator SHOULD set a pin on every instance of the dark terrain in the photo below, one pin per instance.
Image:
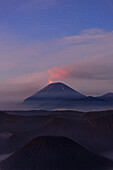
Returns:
(55, 153)
(92, 130)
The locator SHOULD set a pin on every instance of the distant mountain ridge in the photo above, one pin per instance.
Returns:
(61, 96)
(107, 96)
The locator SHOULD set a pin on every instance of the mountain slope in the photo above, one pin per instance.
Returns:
(107, 96)
(54, 96)
(55, 153)
(60, 96)
(55, 91)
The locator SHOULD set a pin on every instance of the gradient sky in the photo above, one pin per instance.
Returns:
(60, 40)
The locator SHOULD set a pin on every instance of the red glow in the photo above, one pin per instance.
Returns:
(50, 82)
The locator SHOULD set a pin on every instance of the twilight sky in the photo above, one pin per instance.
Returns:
(60, 40)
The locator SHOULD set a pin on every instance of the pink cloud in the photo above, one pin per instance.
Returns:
(85, 57)
(99, 68)
(93, 43)
(58, 73)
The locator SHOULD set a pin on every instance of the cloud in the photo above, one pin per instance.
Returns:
(100, 68)
(21, 87)
(25, 67)
(91, 53)
(90, 36)
(56, 73)
(22, 57)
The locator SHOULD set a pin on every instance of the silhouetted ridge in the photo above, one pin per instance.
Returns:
(107, 96)
(54, 153)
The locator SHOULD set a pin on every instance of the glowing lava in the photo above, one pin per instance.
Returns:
(50, 82)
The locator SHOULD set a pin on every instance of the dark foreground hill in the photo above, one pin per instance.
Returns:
(93, 130)
(55, 153)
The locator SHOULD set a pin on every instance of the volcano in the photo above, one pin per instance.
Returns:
(55, 95)
(56, 91)
(58, 96)
(52, 153)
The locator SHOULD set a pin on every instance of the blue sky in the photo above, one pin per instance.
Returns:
(61, 40)
(46, 19)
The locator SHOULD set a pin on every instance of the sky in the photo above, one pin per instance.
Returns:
(69, 41)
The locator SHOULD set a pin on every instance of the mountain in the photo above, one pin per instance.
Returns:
(56, 91)
(60, 96)
(54, 96)
(50, 153)
(107, 97)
